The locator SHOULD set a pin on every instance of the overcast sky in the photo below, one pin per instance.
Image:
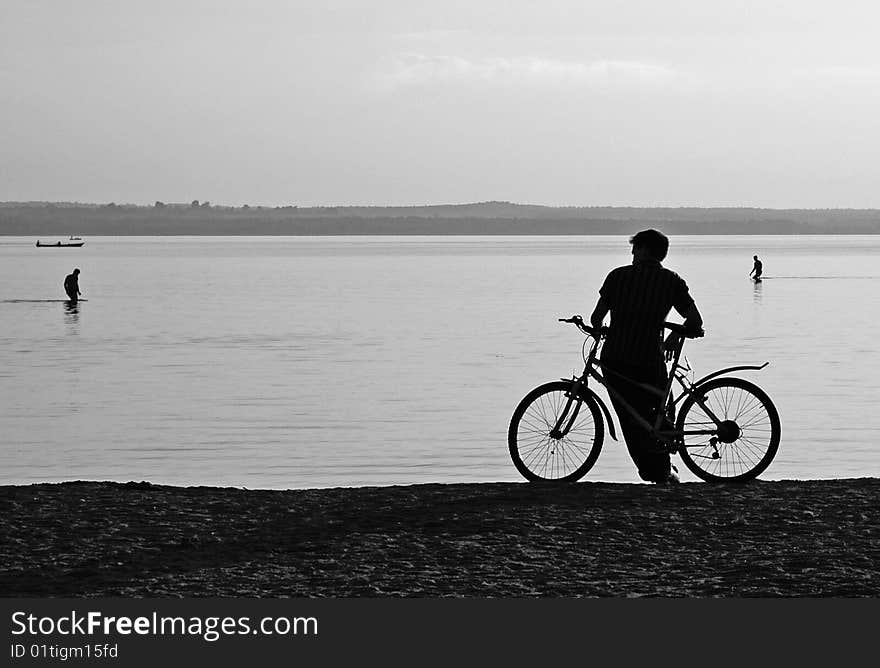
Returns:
(559, 102)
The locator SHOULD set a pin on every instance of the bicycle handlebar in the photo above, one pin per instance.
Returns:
(584, 327)
(686, 332)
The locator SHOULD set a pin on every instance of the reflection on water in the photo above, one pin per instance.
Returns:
(759, 285)
(71, 314)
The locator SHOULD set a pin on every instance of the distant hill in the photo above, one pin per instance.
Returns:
(485, 218)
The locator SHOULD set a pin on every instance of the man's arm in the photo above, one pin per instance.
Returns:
(693, 322)
(599, 313)
(686, 307)
(692, 319)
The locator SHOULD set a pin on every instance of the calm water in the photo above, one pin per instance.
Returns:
(284, 362)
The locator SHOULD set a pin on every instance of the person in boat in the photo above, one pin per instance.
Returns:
(758, 269)
(639, 297)
(71, 286)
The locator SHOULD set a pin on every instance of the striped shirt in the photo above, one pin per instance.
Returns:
(640, 297)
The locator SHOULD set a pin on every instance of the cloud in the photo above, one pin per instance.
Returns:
(413, 69)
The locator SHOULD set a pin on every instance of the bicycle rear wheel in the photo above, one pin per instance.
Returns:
(536, 454)
(746, 442)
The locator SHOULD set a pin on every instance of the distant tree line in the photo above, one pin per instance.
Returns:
(202, 218)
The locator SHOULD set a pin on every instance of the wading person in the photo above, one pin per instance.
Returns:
(758, 269)
(71, 286)
(639, 297)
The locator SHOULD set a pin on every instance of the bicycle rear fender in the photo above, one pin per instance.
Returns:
(729, 369)
(590, 393)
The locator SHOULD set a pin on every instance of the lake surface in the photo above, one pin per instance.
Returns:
(293, 362)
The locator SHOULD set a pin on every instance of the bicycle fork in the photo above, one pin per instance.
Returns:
(565, 421)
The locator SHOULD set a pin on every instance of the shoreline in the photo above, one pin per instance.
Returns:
(807, 538)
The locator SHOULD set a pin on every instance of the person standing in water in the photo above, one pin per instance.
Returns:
(71, 286)
(757, 270)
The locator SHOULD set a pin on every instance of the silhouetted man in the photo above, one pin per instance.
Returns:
(758, 269)
(639, 297)
(71, 286)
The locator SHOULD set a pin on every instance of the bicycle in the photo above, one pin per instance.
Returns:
(726, 428)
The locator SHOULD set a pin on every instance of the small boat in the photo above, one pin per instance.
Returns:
(60, 244)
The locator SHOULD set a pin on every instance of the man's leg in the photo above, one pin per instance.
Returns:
(648, 455)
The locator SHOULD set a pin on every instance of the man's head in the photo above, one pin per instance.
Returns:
(76, 272)
(651, 244)
(755, 256)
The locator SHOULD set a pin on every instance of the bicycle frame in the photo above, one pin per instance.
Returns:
(666, 402)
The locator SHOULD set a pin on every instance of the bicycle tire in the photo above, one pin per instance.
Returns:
(756, 444)
(540, 458)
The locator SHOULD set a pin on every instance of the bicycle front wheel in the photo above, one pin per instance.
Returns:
(541, 457)
(745, 442)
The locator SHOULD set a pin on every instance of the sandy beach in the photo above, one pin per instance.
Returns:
(816, 538)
